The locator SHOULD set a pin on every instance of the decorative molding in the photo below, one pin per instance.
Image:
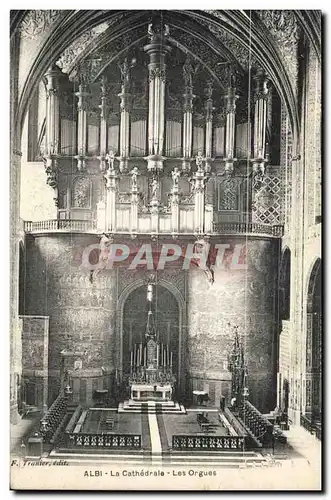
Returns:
(69, 56)
(37, 22)
(283, 27)
(157, 73)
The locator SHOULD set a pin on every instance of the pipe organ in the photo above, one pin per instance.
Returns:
(136, 126)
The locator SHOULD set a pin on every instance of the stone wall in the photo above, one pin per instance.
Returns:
(35, 359)
(85, 316)
(243, 297)
(81, 313)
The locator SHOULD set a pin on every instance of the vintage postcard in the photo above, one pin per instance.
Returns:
(166, 314)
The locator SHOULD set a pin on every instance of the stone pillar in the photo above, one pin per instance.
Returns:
(103, 124)
(83, 96)
(231, 98)
(199, 196)
(209, 126)
(15, 181)
(111, 185)
(157, 50)
(52, 128)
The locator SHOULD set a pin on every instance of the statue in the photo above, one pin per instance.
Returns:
(134, 173)
(199, 160)
(125, 69)
(157, 29)
(188, 71)
(175, 174)
(154, 188)
(110, 158)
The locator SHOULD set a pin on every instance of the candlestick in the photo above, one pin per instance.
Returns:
(168, 358)
(171, 360)
(157, 356)
(131, 360)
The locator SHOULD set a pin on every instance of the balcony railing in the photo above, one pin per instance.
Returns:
(48, 226)
(90, 226)
(248, 228)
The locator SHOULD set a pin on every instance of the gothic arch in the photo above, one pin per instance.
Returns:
(182, 323)
(247, 30)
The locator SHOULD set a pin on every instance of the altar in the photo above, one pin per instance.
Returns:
(151, 378)
(157, 392)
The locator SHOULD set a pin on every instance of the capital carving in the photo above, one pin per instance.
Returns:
(157, 73)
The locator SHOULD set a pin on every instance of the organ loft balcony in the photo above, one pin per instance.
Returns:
(154, 145)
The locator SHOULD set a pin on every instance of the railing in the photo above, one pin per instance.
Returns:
(53, 418)
(260, 426)
(182, 442)
(306, 423)
(60, 225)
(120, 441)
(311, 425)
(248, 228)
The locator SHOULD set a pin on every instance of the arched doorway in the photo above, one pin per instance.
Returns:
(167, 318)
(314, 345)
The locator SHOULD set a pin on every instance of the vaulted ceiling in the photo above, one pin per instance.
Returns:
(92, 40)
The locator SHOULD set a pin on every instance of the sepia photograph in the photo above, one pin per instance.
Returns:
(166, 324)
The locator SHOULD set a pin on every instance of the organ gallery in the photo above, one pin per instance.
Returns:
(158, 257)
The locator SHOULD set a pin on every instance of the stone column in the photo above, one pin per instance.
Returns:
(157, 50)
(231, 98)
(83, 96)
(111, 185)
(52, 129)
(209, 126)
(199, 198)
(103, 124)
